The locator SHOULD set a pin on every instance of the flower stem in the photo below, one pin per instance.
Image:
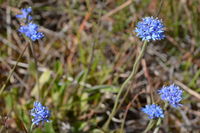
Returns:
(160, 120)
(157, 125)
(124, 118)
(13, 69)
(149, 126)
(31, 129)
(134, 70)
(37, 73)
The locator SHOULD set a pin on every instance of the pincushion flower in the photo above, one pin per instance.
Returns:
(150, 28)
(31, 31)
(172, 94)
(25, 14)
(153, 111)
(40, 113)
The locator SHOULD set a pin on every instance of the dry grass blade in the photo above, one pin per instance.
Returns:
(190, 91)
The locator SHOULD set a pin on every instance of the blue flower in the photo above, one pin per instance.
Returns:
(150, 29)
(40, 113)
(153, 111)
(25, 14)
(172, 94)
(31, 31)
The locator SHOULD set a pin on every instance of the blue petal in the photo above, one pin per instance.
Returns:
(153, 111)
(150, 29)
(172, 94)
(40, 113)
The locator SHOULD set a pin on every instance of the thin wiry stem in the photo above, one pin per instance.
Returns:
(122, 88)
(13, 69)
(149, 126)
(91, 53)
(160, 120)
(157, 125)
(31, 128)
(88, 68)
(161, 4)
(127, 108)
(36, 67)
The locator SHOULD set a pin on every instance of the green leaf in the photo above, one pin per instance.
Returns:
(44, 78)
(103, 88)
(49, 128)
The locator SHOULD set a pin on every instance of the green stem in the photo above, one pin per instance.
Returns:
(31, 129)
(134, 70)
(37, 73)
(124, 118)
(157, 125)
(165, 106)
(149, 126)
(123, 98)
(122, 125)
(13, 69)
(160, 120)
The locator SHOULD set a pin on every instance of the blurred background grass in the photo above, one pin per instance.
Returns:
(88, 51)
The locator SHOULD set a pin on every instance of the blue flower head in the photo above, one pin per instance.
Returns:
(172, 94)
(25, 14)
(31, 31)
(40, 113)
(153, 111)
(150, 29)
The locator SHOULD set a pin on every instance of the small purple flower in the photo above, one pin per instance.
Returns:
(172, 94)
(25, 14)
(153, 111)
(150, 28)
(31, 31)
(40, 113)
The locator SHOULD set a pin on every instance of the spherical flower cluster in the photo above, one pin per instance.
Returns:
(31, 31)
(40, 113)
(153, 111)
(172, 94)
(25, 14)
(150, 29)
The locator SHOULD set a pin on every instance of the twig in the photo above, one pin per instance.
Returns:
(147, 76)
(160, 7)
(127, 108)
(24, 65)
(190, 91)
(7, 80)
(8, 43)
(125, 4)
(17, 77)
